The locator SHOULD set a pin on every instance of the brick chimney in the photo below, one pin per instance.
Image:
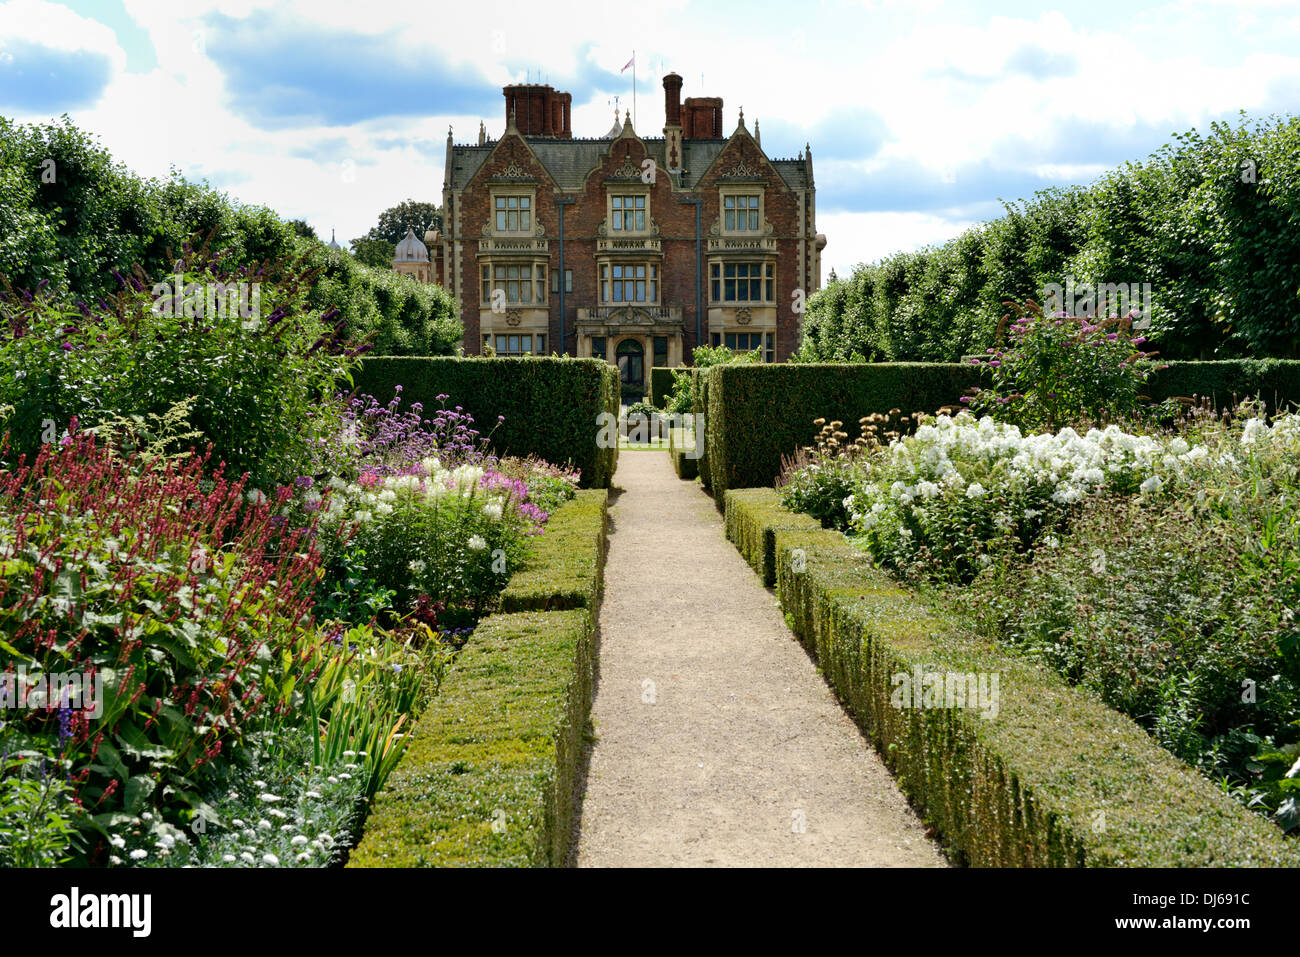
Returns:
(539, 109)
(673, 121)
(702, 118)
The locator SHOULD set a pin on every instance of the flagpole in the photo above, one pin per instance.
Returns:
(634, 89)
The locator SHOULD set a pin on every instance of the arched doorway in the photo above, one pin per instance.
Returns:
(630, 356)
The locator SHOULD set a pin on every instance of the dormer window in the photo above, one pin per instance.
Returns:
(514, 214)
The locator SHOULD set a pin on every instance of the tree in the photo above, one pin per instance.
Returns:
(302, 228)
(374, 252)
(393, 222)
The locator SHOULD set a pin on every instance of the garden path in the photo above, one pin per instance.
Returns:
(717, 741)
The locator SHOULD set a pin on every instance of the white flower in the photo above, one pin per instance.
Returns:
(927, 489)
(271, 859)
(299, 840)
(117, 841)
(270, 798)
(245, 856)
(228, 858)
(493, 511)
(1178, 446)
(417, 566)
(477, 543)
(264, 824)
(139, 855)
(255, 496)
(303, 858)
(1051, 541)
(976, 490)
(1152, 484)
(1251, 432)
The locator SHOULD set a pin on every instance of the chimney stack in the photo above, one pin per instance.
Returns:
(672, 100)
(539, 109)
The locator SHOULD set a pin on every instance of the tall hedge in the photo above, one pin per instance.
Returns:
(759, 412)
(1211, 221)
(1275, 381)
(551, 404)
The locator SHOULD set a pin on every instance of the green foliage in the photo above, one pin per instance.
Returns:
(761, 412)
(550, 405)
(1059, 370)
(1208, 220)
(259, 389)
(394, 221)
(37, 826)
(71, 224)
(375, 253)
(1057, 779)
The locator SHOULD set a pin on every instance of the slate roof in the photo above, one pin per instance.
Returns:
(570, 160)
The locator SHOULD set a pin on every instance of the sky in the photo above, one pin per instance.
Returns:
(923, 115)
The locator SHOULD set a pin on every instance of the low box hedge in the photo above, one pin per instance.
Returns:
(1055, 779)
(686, 463)
(565, 566)
(550, 404)
(758, 412)
(753, 519)
(489, 779)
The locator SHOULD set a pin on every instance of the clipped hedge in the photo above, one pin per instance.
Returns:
(1055, 779)
(687, 466)
(1276, 381)
(760, 412)
(661, 385)
(565, 566)
(753, 517)
(550, 404)
(490, 778)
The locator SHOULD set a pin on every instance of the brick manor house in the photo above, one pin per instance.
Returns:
(621, 247)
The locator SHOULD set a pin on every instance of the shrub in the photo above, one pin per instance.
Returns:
(1062, 370)
(258, 388)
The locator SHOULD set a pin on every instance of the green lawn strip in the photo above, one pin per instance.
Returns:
(564, 566)
(1055, 779)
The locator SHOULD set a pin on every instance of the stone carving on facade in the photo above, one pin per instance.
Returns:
(513, 317)
(743, 316)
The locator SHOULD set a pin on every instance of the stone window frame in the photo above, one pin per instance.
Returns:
(628, 189)
(654, 279)
(504, 192)
(726, 191)
(767, 282)
(540, 284)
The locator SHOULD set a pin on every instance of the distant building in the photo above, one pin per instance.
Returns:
(627, 248)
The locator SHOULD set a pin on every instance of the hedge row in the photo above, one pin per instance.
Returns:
(687, 466)
(661, 385)
(759, 412)
(564, 568)
(1055, 779)
(753, 517)
(1276, 381)
(490, 777)
(550, 404)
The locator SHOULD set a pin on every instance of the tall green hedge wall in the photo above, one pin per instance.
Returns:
(758, 413)
(661, 385)
(550, 404)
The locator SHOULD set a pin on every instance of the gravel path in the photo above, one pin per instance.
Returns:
(716, 740)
